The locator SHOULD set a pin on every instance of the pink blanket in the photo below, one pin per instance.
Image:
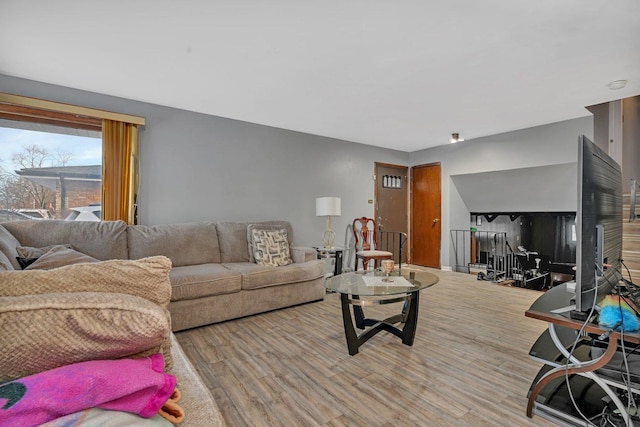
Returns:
(138, 386)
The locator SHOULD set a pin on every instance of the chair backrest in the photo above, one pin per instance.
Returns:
(364, 231)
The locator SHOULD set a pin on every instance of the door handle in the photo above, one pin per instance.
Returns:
(437, 220)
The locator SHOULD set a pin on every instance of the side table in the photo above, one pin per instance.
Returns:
(332, 256)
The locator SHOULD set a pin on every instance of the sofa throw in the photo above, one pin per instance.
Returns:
(147, 278)
(135, 386)
(270, 247)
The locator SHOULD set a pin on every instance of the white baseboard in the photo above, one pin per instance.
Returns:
(446, 268)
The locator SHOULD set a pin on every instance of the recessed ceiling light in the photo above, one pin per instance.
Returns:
(617, 84)
(455, 137)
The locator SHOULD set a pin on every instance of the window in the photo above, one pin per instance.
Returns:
(45, 170)
(119, 143)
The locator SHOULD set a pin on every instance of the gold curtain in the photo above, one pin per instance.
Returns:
(119, 171)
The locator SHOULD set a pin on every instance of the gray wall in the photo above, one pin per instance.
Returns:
(199, 167)
(526, 150)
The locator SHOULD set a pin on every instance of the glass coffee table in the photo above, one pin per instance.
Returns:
(358, 290)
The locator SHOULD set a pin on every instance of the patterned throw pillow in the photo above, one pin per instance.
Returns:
(270, 247)
(252, 227)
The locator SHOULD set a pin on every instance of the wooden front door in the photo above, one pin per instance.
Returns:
(425, 215)
(392, 197)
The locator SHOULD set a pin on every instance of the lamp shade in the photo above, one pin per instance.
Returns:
(328, 206)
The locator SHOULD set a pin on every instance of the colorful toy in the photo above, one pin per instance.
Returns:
(617, 314)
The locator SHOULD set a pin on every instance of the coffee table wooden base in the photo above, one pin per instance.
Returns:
(409, 317)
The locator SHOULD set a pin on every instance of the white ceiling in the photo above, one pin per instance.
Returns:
(396, 74)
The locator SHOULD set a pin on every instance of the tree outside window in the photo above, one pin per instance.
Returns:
(45, 179)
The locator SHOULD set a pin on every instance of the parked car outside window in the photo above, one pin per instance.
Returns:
(36, 213)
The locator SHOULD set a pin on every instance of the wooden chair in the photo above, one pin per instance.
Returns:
(366, 243)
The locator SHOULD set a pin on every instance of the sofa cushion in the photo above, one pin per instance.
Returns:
(256, 276)
(102, 240)
(270, 247)
(146, 278)
(185, 244)
(8, 245)
(72, 327)
(59, 256)
(233, 241)
(197, 281)
(5, 264)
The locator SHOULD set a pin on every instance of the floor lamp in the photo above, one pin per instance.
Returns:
(328, 206)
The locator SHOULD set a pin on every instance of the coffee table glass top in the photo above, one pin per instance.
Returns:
(371, 284)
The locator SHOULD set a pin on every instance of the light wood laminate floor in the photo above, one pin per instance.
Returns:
(469, 364)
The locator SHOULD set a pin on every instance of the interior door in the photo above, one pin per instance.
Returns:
(391, 210)
(425, 215)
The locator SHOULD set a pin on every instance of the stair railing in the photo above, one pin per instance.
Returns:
(394, 242)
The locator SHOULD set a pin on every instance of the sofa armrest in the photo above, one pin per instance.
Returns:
(301, 254)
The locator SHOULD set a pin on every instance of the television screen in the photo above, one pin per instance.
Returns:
(599, 226)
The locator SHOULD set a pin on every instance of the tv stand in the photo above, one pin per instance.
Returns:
(579, 315)
(594, 380)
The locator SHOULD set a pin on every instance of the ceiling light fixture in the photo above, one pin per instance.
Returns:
(455, 137)
(617, 84)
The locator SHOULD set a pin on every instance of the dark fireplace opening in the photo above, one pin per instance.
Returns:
(528, 249)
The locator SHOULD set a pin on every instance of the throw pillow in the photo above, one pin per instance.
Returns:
(31, 252)
(252, 227)
(270, 247)
(147, 278)
(46, 331)
(59, 256)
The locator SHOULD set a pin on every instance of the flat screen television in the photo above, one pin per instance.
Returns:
(598, 226)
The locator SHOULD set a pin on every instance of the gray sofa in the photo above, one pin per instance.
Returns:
(213, 277)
